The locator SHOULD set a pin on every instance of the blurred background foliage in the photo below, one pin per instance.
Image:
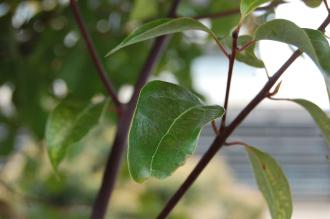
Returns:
(43, 59)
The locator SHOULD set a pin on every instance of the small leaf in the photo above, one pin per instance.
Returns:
(248, 6)
(312, 42)
(162, 27)
(248, 56)
(166, 125)
(320, 117)
(272, 183)
(69, 123)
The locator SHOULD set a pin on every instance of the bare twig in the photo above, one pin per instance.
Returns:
(214, 127)
(235, 143)
(230, 74)
(95, 58)
(326, 5)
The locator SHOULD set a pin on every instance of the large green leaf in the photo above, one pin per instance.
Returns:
(312, 42)
(167, 123)
(320, 117)
(161, 27)
(67, 124)
(248, 6)
(272, 183)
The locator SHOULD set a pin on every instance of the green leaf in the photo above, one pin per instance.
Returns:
(162, 27)
(166, 125)
(322, 50)
(312, 3)
(248, 6)
(69, 123)
(272, 183)
(320, 117)
(312, 42)
(248, 56)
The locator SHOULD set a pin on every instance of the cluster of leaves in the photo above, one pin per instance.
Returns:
(44, 48)
(41, 48)
(168, 118)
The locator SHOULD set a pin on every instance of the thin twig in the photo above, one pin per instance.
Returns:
(222, 48)
(266, 72)
(277, 98)
(119, 144)
(235, 143)
(230, 74)
(222, 137)
(326, 5)
(247, 45)
(95, 58)
(214, 127)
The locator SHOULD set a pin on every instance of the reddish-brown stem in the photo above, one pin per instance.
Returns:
(222, 137)
(324, 24)
(95, 58)
(235, 143)
(118, 147)
(230, 74)
(222, 48)
(214, 127)
(326, 5)
(247, 45)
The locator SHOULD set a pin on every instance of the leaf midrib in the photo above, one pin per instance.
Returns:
(202, 27)
(268, 185)
(74, 123)
(166, 133)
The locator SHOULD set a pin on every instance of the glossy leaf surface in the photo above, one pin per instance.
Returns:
(272, 183)
(165, 129)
